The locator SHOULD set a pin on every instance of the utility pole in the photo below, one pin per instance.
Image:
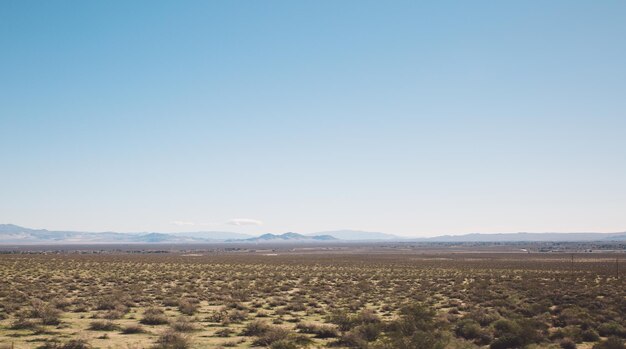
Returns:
(617, 267)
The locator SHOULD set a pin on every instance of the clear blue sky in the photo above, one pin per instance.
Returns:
(408, 117)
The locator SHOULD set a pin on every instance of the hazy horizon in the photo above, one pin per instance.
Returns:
(408, 118)
(258, 233)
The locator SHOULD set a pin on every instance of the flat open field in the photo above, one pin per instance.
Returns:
(386, 298)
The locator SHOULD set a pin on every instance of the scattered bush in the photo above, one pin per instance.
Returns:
(270, 336)
(23, 324)
(415, 329)
(236, 316)
(187, 307)
(320, 331)
(284, 344)
(518, 333)
(567, 344)
(368, 332)
(611, 329)
(100, 325)
(589, 335)
(256, 328)
(182, 324)
(72, 344)
(154, 316)
(350, 294)
(611, 343)
(172, 340)
(48, 314)
(224, 332)
(133, 329)
(468, 329)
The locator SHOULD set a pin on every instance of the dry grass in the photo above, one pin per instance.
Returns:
(387, 300)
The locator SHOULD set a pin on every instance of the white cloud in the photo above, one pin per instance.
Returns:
(244, 221)
(182, 223)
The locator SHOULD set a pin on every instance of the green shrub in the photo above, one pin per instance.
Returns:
(415, 329)
(368, 332)
(611, 329)
(483, 317)
(589, 335)
(521, 332)
(256, 328)
(468, 329)
(504, 327)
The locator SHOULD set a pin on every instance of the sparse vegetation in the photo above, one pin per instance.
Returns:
(172, 340)
(100, 325)
(154, 316)
(381, 301)
(133, 329)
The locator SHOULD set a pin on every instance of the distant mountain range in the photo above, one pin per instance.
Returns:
(289, 237)
(11, 234)
(529, 237)
(358, 235)
(214, 235)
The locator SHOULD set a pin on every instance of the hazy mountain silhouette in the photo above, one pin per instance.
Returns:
(522, 237)
(289, 237)
(14, 234)
(358, 235)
